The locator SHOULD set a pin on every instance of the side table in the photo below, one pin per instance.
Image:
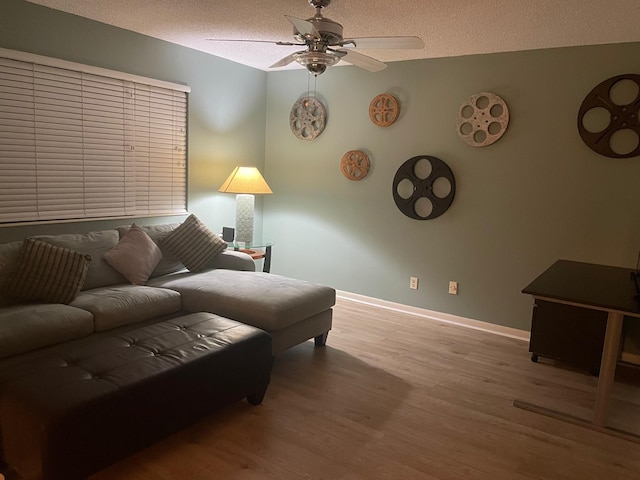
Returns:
(254, 249)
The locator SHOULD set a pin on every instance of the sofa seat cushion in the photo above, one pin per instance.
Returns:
(126, 304)
(264, 300)
(26, 327)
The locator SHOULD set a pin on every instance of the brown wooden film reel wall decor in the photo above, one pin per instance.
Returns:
(608, 117)
(307, 118)
(482, 119)
(355, 165)
(384, 109)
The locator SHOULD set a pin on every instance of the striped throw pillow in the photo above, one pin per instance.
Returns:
(47, 273)
(194, 244)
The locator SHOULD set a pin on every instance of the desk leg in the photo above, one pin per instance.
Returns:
(608, 368)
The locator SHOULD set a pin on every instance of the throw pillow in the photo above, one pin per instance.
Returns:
(194, 244)
(168, 264)
(135, 256)
(47, 273)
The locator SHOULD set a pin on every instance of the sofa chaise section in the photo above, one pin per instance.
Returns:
(291, 310)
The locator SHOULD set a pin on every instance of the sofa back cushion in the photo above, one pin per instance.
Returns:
(9, 255)
(96, 244)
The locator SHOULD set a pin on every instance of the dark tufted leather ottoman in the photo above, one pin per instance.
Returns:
(72, 414)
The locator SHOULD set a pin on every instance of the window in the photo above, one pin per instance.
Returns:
(78, 142)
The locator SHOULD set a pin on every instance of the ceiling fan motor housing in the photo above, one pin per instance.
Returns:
(319, 3)
(329, 30)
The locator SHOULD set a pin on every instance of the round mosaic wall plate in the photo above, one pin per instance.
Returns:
(482, 119)
(307, 118)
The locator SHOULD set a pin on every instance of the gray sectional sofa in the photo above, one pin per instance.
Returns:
(292, 311)
(107, 288)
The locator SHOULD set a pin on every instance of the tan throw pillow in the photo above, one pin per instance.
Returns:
(135, 256)
(194, 244)
(46, 273)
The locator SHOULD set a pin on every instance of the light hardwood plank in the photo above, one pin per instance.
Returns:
(394, 396)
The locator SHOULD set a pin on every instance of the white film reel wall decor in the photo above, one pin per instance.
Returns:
(482, 119)
(307, 118)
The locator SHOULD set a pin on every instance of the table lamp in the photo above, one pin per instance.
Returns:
(245, 182)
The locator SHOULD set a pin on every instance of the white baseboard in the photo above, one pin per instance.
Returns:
(437, 316)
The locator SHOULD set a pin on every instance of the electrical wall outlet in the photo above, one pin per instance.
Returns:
(453, 288)
(413, 283)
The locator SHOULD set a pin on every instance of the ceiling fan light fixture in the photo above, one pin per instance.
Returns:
(317, 62)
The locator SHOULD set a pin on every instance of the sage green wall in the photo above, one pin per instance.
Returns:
(227, 104)
(537, 195)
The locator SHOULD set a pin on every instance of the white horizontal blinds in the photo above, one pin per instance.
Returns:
(159, 149)
(179, 174)
(167, 150)
(81, 145)
(140, 148)
(58, 143)
(18, 199)
(103, 130)
(130, 204)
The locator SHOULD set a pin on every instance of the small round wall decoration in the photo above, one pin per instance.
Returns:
(424, 187)
(307, 118)
(355, 165)
(384, 110)
(482, 119)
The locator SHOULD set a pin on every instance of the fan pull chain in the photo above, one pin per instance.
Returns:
(315, 82)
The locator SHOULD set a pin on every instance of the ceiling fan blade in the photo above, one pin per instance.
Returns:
(384, 42)
(255, 41)
(362, 61)
(285, 61)
(304, 27)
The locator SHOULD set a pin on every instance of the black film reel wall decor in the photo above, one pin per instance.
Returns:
(424, 187)
(608, 117)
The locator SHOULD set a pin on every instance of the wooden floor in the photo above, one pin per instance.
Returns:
(394, 396)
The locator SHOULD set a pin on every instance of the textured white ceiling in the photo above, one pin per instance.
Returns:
(448, 27)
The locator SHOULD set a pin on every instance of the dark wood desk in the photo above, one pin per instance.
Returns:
(597, 287)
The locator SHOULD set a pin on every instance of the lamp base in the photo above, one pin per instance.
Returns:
(244, 218)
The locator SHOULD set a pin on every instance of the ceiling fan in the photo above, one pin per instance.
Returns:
(326, 46)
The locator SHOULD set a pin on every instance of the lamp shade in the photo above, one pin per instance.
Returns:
(245, 180)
